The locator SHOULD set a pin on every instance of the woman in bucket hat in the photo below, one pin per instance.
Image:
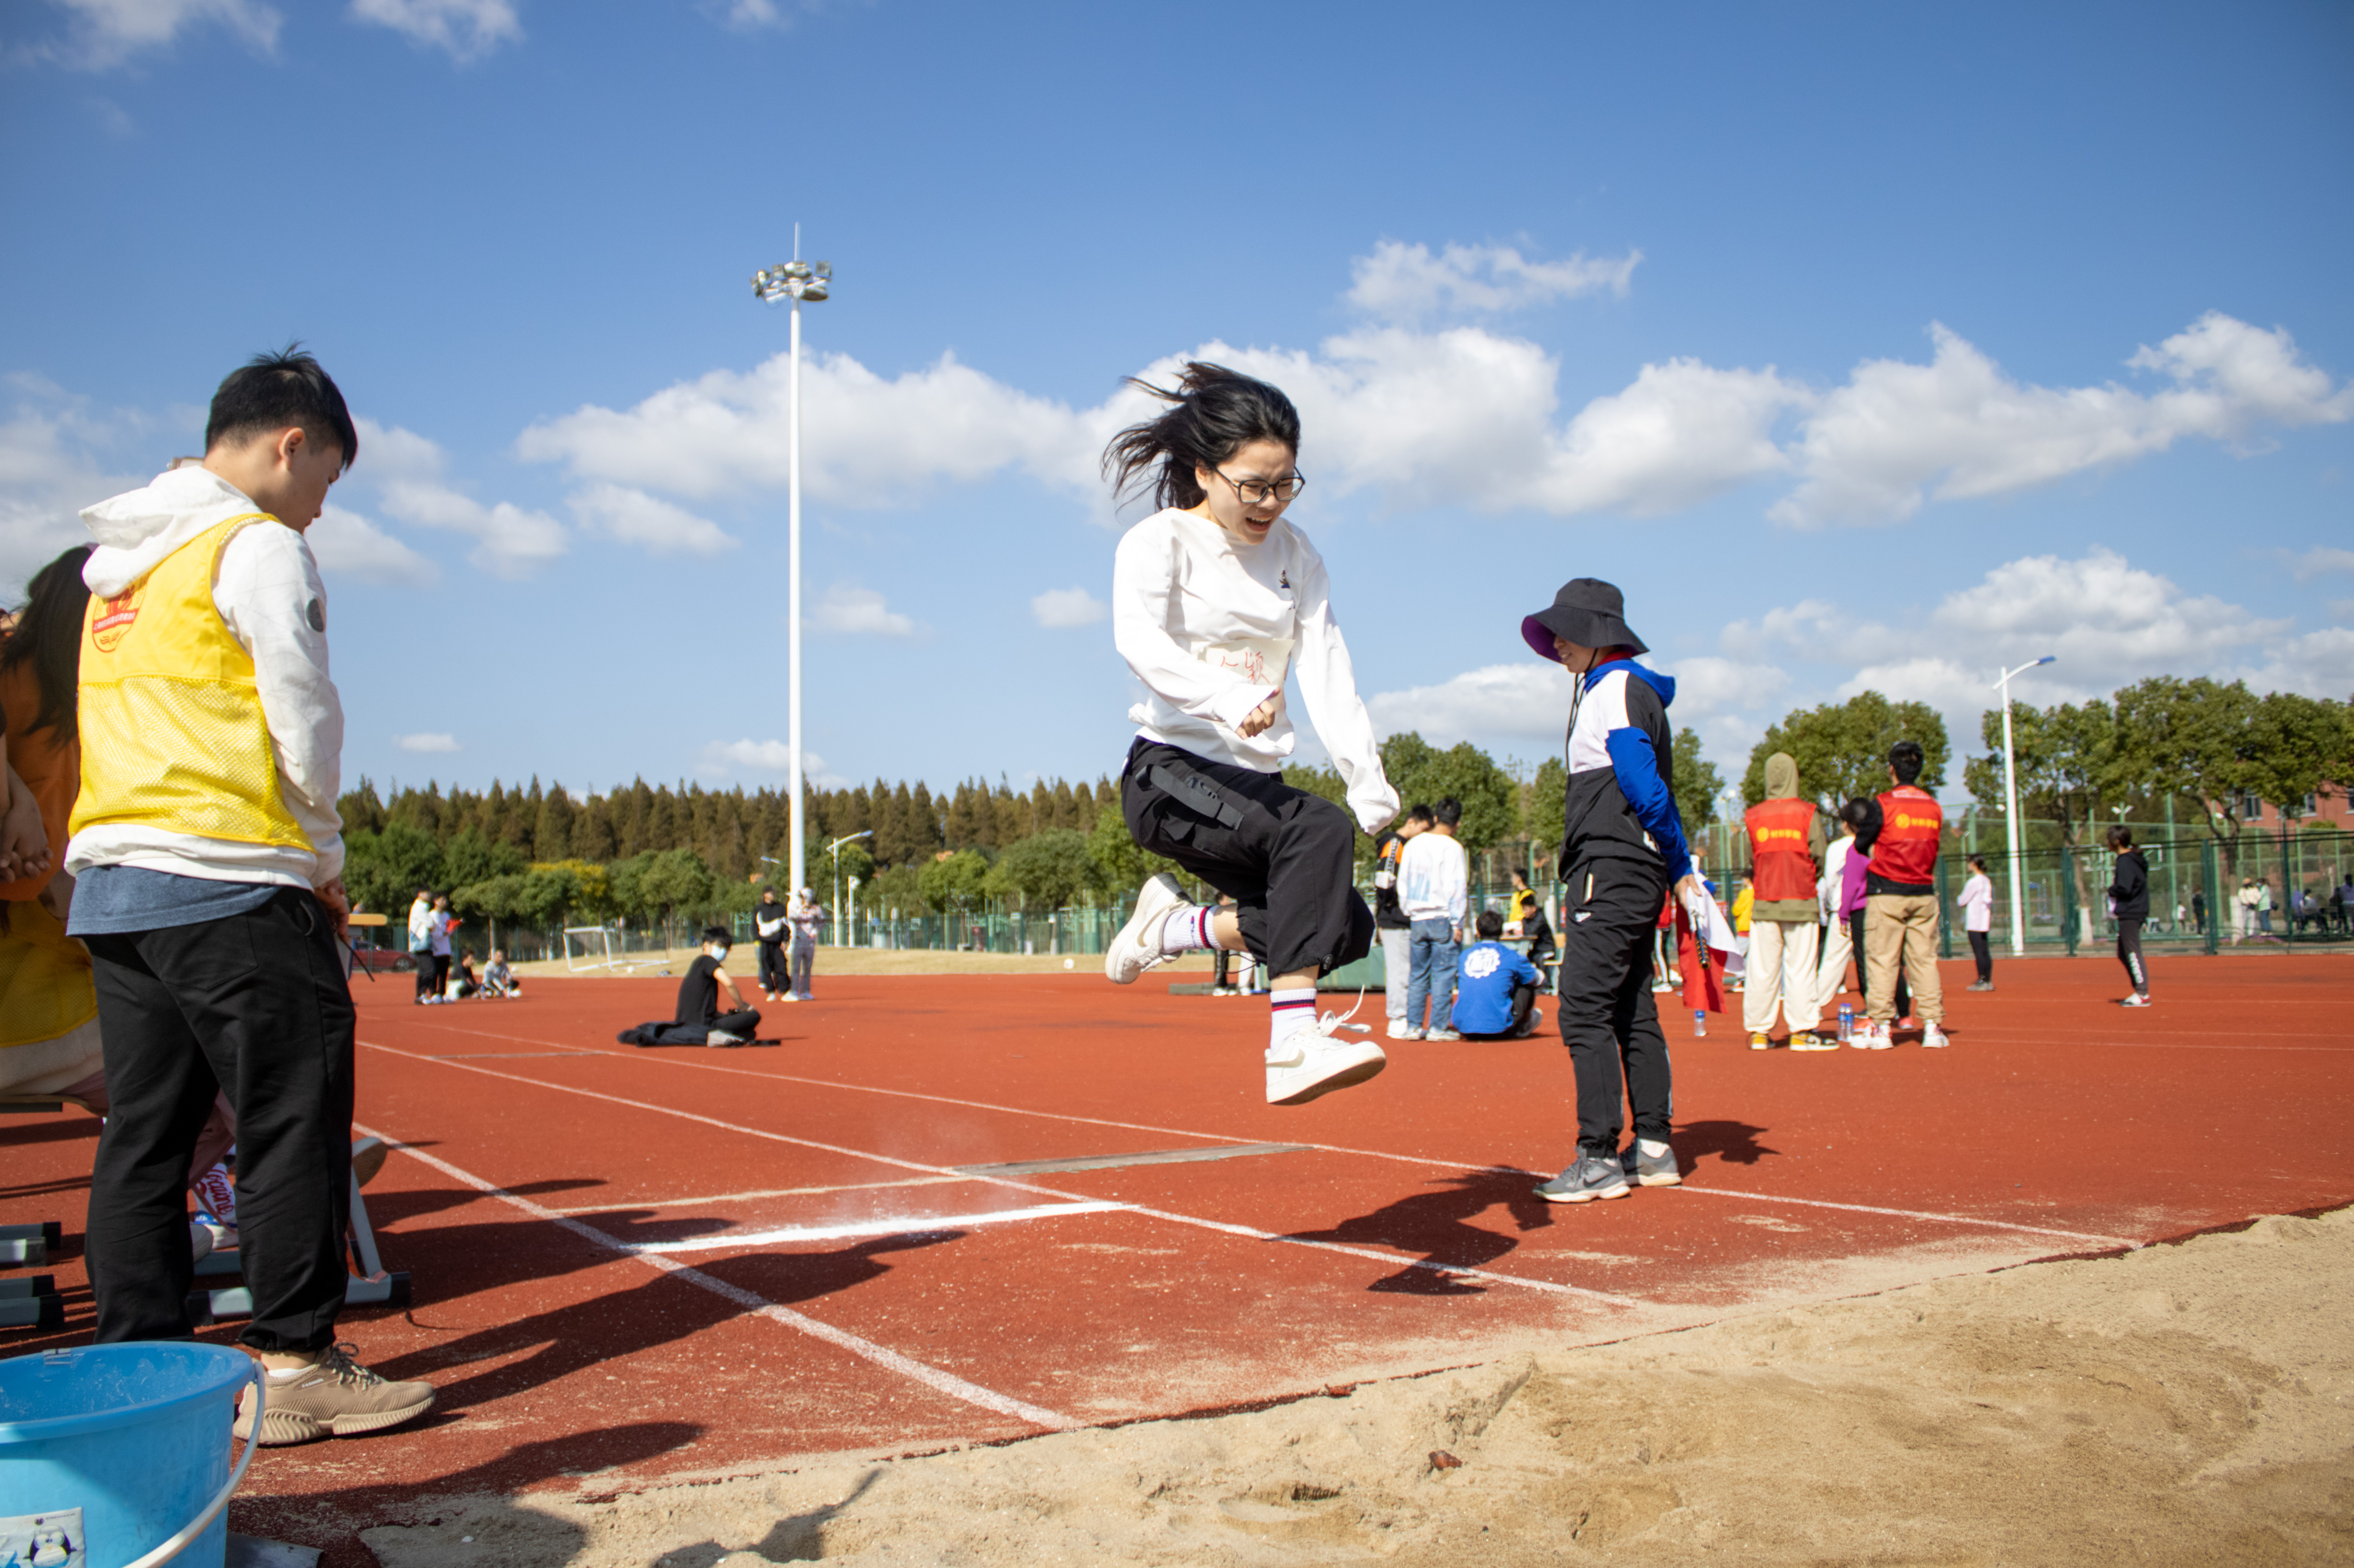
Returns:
(1622, 847)
(1216, 600)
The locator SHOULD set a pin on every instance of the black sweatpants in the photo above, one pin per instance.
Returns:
(743, 1023)
(1983, 951)
(1607, 1018)
(2129, 952)
(775, 976)
(424, 962)
(254, 1005)
(1287, 858)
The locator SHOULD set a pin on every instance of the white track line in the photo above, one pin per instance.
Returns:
(1391, 1259)
(764, 1193)
(1938, 1216)
(930, 1377)
(893, 1225)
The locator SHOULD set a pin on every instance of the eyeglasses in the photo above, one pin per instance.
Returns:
(1256, 492)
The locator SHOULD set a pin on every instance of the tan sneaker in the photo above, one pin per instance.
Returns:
(335, 1396)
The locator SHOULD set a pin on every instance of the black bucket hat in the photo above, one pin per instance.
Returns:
(1589, 612)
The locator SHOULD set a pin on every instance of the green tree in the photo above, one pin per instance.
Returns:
(1421, 772)
(955, 882)
(1547, 798)
(2219, 745)
(1047, 870)
(900, 888)
(1841, 749)
(384, 870)
(2069, 760)
(1697, 784)
(471, 857)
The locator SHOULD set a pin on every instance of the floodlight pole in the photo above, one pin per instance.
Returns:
(795, 281)
(2011, 812)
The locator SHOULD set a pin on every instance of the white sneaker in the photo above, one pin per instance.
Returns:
(1310, 1063)
(1871, 1037)
(1934, 1038)
(1138, 947)
(1401, 1030)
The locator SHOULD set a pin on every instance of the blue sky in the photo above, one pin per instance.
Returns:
(1861, 345)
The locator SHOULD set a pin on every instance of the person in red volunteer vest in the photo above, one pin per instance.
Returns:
(1900, 833)
(1788, 840)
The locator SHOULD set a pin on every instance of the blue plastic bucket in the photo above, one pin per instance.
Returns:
(136, 1435)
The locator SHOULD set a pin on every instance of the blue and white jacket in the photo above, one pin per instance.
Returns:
(1621, 802)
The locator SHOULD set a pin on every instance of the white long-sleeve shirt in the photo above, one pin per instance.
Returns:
(1977, 899)
(270, 594)
(1434, 879)
(1213, 628)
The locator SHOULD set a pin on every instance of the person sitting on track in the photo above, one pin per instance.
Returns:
(1212, 598)
(498, 980)
(699, 1020)
(1495, 988)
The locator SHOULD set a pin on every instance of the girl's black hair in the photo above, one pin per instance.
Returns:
(1214, 412)
(1856, 813)
(48, 637)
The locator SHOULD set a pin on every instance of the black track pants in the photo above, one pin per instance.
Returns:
(774, 976)
(255, 1004)
(2129, 954)
(1983, 951)
(1608, 1019)
(1287, 858)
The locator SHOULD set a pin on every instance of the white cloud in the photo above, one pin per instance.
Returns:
(104, 33)
(347, 546)
(857, 613)
(53, 462)
(407, 470)
(773, 757)
(2319, 664)
(633, 517)
(463, 29)
(2319, 561)
(1957, 428)
(1061, 607)
(425, 743)
(1404, 283)
(1524, 700)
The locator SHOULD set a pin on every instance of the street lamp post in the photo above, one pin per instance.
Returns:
(834, 850)
(2010, 812)
(795, 281)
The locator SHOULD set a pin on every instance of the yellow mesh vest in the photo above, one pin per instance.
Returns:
(173, 734)
(45, 982)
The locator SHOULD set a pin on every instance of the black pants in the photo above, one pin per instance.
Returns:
(1607, 1018)
(1287, 858)
(743, 1023)
(255, 1004)
(1855, 940)
(775, 976)
(1984, 954)
(2129, 952)
(424, 963)
(440, 974)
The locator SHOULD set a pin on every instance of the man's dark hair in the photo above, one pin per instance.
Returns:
(48, 637)
(718, 933)
(1906, 759)
(271, 391)
(1447, 814)
(2120, 837)
(1856, 813)
(1490, 924)
(1417, 812)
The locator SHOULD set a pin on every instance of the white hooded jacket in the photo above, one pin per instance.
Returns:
(269, 595)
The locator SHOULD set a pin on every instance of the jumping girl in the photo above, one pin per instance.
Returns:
(1216, 599)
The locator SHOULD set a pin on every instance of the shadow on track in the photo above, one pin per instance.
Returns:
(1437, 1225)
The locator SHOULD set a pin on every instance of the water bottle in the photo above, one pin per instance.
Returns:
(1699, 1020)
(1847, 1022)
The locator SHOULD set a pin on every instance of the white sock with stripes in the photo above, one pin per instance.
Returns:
(1288, 1011)
(1187, 930)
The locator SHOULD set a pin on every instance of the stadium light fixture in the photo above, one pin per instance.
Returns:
(2010, 811)
(795, 281)
(834, 850)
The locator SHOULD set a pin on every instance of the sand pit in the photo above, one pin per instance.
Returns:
(2186, 1404)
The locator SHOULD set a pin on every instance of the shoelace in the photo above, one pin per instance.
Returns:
(342, 1362)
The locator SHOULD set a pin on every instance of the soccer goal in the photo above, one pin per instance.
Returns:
(589, 947)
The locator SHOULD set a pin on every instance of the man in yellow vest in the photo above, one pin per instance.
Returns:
(208, 860)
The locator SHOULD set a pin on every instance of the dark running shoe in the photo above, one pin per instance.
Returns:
(1589, 1176)
(1645, 1172)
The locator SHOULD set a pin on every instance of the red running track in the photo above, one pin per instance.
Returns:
(633, 1265)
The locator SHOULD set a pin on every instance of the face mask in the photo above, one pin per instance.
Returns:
(717, 951)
